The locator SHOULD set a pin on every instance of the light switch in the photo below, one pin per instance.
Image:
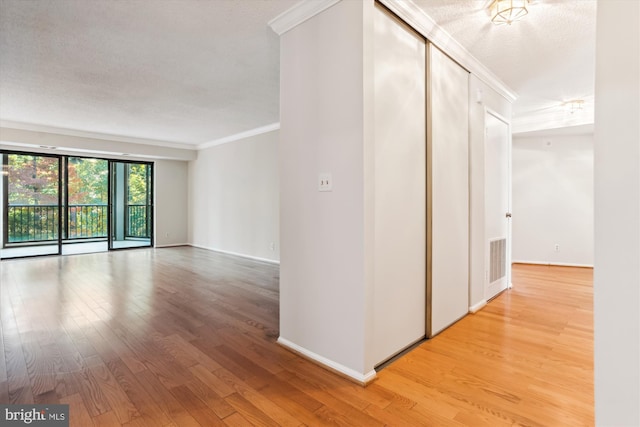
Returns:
(325, 182)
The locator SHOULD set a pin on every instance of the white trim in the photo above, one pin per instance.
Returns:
(241, 135)
(578, 130)
(171, 245)
(255, 258)
(413, 15)
(70, 151)
(549, 121)
(298, 13)
(329, 364)
(477, 307)
(556, 264)
(94, 135)
(494, 113)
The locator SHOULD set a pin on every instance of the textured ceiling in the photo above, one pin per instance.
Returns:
(547, 58)
(187, 71)
(194, 71)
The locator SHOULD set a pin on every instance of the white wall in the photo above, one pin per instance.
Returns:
(492, 101)
(171, 203)
(323, 297)
(553, 199)
(233, 197)
(617, 214)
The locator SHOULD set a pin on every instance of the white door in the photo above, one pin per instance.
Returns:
(497, 214)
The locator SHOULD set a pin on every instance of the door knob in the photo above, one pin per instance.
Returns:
(508, 215)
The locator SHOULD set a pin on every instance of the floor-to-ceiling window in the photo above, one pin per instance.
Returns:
(31, 200)
(68, 205)
(86, 205)
(131, 204)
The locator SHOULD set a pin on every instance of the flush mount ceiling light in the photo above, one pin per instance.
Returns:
(573, 105)
(507, 11)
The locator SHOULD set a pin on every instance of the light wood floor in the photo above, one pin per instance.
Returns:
(183, 336)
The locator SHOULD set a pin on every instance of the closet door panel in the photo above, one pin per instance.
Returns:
(400, 186)
(448, 285)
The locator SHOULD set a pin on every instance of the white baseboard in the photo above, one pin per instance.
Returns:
(255, 258)
(172, 245)
(478, 306)
(362, 379)
(558, 264)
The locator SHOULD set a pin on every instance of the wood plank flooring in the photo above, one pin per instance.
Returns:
(186, 337)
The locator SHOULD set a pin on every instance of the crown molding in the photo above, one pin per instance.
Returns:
(241, 135)
(20, 126)
(72, 151)
(552, 119)
(93, 135)
(299, 13)
(417, 18)
(577, 130)
(49, 141)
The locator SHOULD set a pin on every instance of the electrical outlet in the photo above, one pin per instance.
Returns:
(557, 247)
(272, 246)
(325, 182)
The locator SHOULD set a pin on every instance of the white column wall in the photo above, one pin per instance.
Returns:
(617, 214)
(322, 284)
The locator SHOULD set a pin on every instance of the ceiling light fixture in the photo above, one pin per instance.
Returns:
(507, 11)
(573, 105)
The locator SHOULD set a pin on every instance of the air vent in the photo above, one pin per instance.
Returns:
(498, 259)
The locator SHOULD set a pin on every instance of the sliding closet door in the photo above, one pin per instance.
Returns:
(448, 232)
(400, 189)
